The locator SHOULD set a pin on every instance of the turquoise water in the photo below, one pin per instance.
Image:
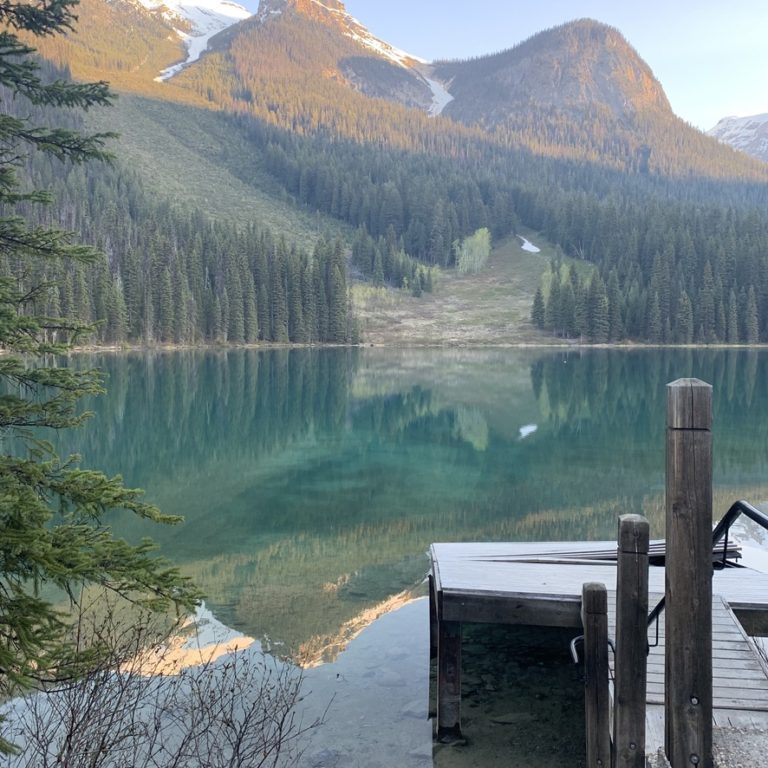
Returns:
(313, 481)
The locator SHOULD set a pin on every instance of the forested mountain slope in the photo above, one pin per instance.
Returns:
(315, 119)
(173, 273)
(581, 90)
(564, 68)
(120, 41)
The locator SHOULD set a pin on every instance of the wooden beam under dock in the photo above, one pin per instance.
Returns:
(540, 584)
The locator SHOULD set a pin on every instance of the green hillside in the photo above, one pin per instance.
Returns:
(200, 160)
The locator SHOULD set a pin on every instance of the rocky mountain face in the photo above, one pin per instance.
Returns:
(333, 14)
(307, 66)
(372, 66)
(747, 134)
(582, 64)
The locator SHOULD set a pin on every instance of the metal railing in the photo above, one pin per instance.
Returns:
(721, 531)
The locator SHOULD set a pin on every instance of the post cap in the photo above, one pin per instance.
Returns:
(594, 597)
(634, 534)
(689, 404)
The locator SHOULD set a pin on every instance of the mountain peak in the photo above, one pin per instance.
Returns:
(333, 14)
(747, 134)
(600, 65)
(311, 8)
(580, 65)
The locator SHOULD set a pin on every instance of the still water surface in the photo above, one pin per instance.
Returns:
(313, 481)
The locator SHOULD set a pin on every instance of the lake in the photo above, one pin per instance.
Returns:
(312, 482)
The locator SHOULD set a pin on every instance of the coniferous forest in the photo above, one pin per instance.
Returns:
(171, 275)
(677, 261)
(674, 231)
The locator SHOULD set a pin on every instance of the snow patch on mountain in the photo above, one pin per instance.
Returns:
(353, 29)
(748, 134)
(528, 246)
(380, 47)
(198, 21)
(441, 97)
(358, 32)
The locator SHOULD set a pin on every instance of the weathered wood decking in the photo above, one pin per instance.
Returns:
(540, 584)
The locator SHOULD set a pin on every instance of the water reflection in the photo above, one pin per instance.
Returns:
(313, 481)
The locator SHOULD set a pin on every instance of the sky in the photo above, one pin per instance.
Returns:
(710, 57)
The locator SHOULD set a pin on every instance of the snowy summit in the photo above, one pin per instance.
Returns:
(748, 134)
(360, 34)
(334, 13)
(206, 18)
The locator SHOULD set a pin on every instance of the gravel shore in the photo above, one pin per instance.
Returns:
(732, 748)
(740, 747)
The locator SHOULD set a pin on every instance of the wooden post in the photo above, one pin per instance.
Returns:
(449, 681)
(433, 629)
(432, 618)
(630, 671)
(594, 618)
(688, 635)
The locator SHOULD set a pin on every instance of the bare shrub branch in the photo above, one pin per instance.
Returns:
(145, 707)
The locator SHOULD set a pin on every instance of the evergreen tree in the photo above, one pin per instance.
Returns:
(615, 301)
(236, 302)
(296, 329)
(537, 313)
(752, 327)
(251, 311)
(732, 323)
(336, 291)
(52, 528)
(654, 326)
(580, 311)
(278, 295)
(308, 301)
(684, 320)
(706, 307)
(598, 310)
(554, 309)
(166, 307)
(261, 279)
(378, 268)
(568, 309)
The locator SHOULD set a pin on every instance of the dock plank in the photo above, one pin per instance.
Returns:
(540, 584)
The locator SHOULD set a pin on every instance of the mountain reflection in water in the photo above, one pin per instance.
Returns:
(313, 481)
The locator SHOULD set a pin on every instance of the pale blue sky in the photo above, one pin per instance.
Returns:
(711, 57)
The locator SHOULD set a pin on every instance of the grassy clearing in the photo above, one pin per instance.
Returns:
(491, 307)
(188, 155)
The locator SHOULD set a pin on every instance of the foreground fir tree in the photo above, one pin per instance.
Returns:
(52, 529)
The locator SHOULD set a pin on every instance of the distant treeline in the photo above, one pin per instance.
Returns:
(666, 274)
(173, 276)
(677, 260)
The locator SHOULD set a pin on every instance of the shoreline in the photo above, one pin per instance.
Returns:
(265, 346)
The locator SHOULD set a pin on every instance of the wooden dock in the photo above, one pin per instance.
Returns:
(702, 671)
(540, 584)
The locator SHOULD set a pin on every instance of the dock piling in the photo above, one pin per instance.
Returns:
(449, 681)
(688, 581)
(631, 642)
(594, 618)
